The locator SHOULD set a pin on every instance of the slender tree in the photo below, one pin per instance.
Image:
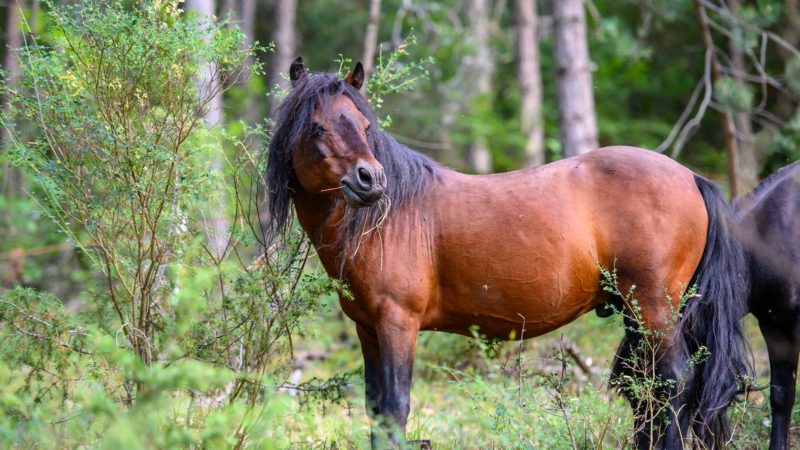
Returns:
(371, 37)
(247, 22)
(246, 14)
(12, 177)
(479, 68)
(209, 85)
(285, 46)
(530, 81)
(749, 165)
(576, 112)
(789, 30)
(229, 6)
(208, 80)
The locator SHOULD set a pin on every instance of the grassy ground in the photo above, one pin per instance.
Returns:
(522, 398)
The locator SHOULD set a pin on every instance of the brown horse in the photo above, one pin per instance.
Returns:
(517, 254)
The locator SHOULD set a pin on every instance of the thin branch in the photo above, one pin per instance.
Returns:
(701, 111)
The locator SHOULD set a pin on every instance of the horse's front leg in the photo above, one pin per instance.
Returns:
(373, 387)
(783, 354)
(388, 376)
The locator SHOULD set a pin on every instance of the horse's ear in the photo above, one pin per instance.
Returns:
(356, 76)
(297, 71)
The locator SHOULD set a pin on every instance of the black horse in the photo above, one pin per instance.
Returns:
(768, 222)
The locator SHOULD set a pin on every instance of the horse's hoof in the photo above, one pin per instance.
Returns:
(421, 444)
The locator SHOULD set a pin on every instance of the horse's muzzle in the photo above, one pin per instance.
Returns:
(364, 186)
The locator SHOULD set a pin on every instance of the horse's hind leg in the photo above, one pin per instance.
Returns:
(783, 351)
(655, 364)
(623, 372)
(652, 390)
(671, 367)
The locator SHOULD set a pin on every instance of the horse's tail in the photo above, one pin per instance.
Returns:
(711, 323)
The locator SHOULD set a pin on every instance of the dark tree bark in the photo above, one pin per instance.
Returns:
(530, 82)
(576, 112)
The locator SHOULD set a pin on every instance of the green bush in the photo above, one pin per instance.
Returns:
(175, 346)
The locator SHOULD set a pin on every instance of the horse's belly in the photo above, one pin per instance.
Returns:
(514, 308)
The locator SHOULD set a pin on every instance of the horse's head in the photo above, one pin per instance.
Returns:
(335, 153)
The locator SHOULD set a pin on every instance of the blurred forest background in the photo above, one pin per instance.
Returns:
(134, 306)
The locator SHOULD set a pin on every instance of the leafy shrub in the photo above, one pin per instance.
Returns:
(177, 345)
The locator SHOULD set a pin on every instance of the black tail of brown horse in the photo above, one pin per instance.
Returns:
(712, 322)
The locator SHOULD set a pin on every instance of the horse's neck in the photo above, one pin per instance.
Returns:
(318, 215)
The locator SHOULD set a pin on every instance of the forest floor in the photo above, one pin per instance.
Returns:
(462, 398)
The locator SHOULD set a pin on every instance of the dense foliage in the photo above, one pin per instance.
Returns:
(172, 345)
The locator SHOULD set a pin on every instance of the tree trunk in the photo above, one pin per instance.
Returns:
(792, 31)
(208, 83)
(208, 80)
(371, 38)
(12, 177)
(728, 129)
(749, 164)
(247, 21)
(576, 113)
(785, 105)
(285, 47)
(255, 111)
(35, 6)
(530, 82)
(228, 7)
(479, 68)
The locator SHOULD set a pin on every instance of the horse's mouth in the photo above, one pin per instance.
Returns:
(356, 199)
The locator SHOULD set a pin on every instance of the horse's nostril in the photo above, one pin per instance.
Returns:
(364, 176)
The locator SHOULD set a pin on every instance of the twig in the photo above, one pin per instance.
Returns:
(676, 128)
(701, 110)
(569, 347)
(332, 189)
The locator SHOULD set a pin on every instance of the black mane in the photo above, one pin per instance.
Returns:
(746, 199)
(409, 174)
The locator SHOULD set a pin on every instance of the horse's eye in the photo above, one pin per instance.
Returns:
(317, 130)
